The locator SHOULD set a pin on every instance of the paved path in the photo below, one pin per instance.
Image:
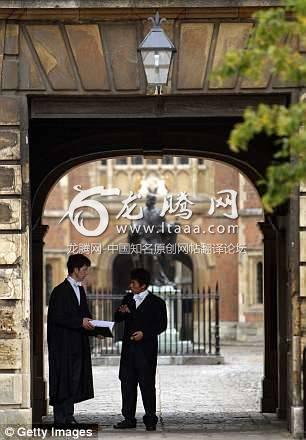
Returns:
(207, 401)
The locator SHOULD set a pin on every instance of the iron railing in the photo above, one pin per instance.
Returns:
(193, 322)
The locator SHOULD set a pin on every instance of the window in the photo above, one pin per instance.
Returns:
(167, 160)
(200, 161)
(183, 160)
(259, 283)
(121, 161)
(152, 161)
(104, 162)
(137, 160)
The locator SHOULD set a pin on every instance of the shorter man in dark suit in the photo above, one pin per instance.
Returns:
(70, 373)
(145, 317)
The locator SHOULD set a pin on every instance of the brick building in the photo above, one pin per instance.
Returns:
(239, 274)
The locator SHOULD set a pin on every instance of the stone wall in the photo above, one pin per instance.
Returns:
(14, 264)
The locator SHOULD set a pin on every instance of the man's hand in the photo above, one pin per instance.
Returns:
(87, 324)
(124, 309)
(137, 336)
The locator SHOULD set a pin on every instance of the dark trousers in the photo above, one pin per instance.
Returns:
(138, 371)
(63, 411)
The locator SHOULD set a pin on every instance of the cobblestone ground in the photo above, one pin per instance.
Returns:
(214, 401)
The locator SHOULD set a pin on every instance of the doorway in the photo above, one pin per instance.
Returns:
(72, 141)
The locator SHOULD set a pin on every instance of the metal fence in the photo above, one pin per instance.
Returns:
(193, 322)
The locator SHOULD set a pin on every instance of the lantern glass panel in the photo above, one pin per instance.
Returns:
(156, 64)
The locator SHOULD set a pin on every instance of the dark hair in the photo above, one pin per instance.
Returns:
(141, 275)
(77, 261)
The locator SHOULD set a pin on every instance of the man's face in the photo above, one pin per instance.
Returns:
(136, 287)
(80, 274)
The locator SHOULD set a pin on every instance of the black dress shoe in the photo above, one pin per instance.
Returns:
(59, 425)
(150, 427)
(125, 424)
(72, 421)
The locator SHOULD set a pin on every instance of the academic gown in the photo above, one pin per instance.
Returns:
(68, 343)
(151, 318)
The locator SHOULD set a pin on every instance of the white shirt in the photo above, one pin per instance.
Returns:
(75, 285)
(139, 297)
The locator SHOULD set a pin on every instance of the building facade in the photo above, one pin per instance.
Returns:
(239, 273)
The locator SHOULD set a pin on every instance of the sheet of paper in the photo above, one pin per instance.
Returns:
(98, 323)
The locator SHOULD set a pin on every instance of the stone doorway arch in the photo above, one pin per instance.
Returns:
(74, 140)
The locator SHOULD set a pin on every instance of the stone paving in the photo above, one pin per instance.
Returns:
(189, 391)
(214, 401)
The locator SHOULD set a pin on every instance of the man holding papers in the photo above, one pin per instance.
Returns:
(69, 323)
(145, 317)
(103, 328)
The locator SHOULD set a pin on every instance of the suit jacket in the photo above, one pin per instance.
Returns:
(67, 343)
(151, 318)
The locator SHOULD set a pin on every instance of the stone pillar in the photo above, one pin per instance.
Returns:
(39, 397)
(297, 290)
(283, 300)
(269, 384)
(15, 405)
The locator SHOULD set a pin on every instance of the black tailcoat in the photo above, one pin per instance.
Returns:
(151, 318)
(68, 343)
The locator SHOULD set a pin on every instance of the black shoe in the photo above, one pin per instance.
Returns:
(71, 421)
(150, 427)
(59, 425)
(125, 424)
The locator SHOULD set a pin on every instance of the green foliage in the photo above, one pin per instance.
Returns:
(274, 45)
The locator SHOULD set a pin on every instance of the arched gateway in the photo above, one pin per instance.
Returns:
(74, 91)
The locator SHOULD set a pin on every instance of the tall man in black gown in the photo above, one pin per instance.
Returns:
(70, 373)
(145, 317)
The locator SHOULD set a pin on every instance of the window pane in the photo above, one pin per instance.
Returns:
(121, 161)
(137, 160)
(152, 161)
(167, 160)
(183, 160)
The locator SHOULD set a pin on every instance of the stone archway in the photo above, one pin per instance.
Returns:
(78, 140)
(100, 107)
